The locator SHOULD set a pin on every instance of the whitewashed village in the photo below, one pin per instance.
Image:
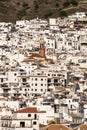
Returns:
(43, 74)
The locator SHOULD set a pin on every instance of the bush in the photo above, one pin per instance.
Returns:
(46, 2)
(74, 2)
(21, 13)
(48, 14)
(25, 5)
(18, 3)
(63, 14)
(57, 4)
(36, 5)
(66, 4)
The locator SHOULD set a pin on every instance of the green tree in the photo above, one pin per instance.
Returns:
(36, 5)
(46, 2)
(48, 14)
(66, 3)
(74, 2)
(57, 5)
(63, 14)
(25, 5)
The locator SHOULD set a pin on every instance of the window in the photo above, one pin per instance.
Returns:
(41, 89)
(49, 80)
(41, 79)
(71, 106)
(22, 124)
(29, 115)
(15, 74)
(34, 123)
(55, 80)
(24, 80)
(41, 84)
(35, 89)
(36, 79)
(48, 74)
(35, 84)
(1, 80)
(35, 116)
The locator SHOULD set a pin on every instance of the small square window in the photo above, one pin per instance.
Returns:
(1, 80)
(29, 115)
(41, 89)
(34, 123)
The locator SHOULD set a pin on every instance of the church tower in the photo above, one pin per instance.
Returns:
(42, 48)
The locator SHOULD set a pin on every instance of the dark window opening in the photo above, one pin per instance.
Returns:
(29, 115)
(35, 116)
(22, 124)
(23, 80)
(34, 123)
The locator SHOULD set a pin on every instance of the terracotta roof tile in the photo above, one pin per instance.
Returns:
(29, 60)
(81, 127)
(28, 110)
(56, 127)
(36, 55)
(75, 116)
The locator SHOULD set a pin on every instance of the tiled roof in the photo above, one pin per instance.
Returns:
(28, 110)
(81, 127)
(32, 58)
(36, 55)
(29, 60)
(75, 116)
(56, 127)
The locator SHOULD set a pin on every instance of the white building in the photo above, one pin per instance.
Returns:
(24, 119)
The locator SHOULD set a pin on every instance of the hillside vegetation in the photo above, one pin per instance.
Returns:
(12, 10)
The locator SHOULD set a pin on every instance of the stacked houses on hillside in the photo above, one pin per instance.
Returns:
(43, 74)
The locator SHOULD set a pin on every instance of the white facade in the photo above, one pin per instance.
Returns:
(24, 119)
(38, 84)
